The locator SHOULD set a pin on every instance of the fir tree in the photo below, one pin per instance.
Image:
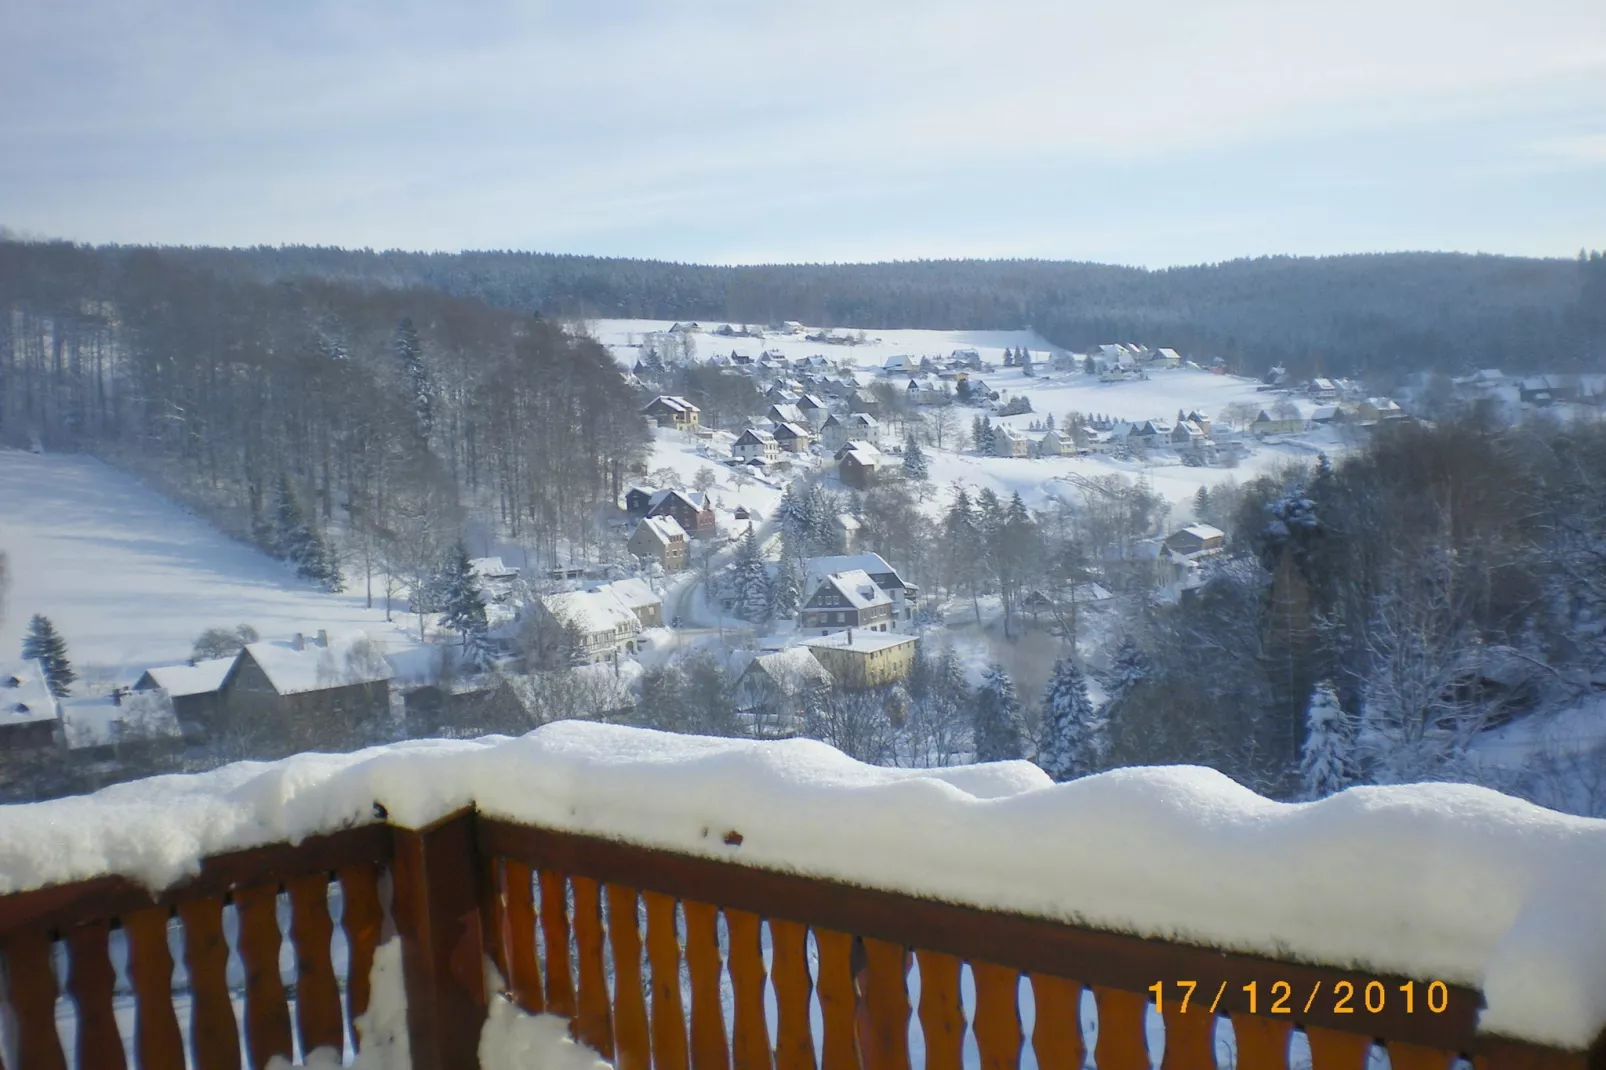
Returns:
(1128, 669)
(914, 462)
(411, 355)
(298, 542)
(45, 644)
(1326, 762)
(1075, 736)
(1023, 360)
(1201, 504)
(1009, 357)
(785, 588)
(995, 718)
(751, 581)
(1088, 367)
(462, 607)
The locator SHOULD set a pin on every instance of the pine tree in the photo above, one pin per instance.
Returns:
(1075, 736)
(411, 355)
(1023, 360)
(914, 462)
(295, 540)
(1325, 766)
(752, 581)
(1128, 669)
(995, 718)
(1088, 367)
(462, 606)
(45, 644)
(1009, 357)
(1201, 504)
(785, 588)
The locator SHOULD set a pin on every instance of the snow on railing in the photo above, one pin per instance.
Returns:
(811, 911)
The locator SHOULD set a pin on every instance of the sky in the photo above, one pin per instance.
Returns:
(1145, 132)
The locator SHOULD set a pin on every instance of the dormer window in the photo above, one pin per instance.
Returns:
(21, 707)
(12, 681)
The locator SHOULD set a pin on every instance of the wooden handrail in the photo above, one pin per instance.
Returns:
(471, 888)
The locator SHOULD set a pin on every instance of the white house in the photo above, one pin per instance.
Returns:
(756, 445)
(905, 595)
(1008, 442)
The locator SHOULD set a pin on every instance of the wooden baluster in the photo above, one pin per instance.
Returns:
(267, 1015)
(555, 926)
(214, 1035)
(1122, 1043)
(1190, 1037)
(524, 971)
(33, 1000)
(663, 954)
(794, 1038)
(1262, 1042)
(594, 1022)
(997, 1023)
(493, 917)
(91, 979)
(750, 1042)
(1333, 1050)
(1057, 1032)
(1403, 1056)
(887, 1000)
(838, 1000)
(633, 1047)
(318, 1022)
(158, 1044)
(942, 1010)
(362, 918)
(709, 1050)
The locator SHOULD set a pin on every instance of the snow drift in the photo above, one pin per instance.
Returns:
(1431, 881)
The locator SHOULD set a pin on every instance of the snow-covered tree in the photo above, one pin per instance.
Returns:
(462, 606)
(914, 462)
(996, 730)
(785, 588)
(1009, 357)
(751, 581)
(223, 642)
(46, 645)
(1023, 360)
(1128, 669)
(1075, 738)
(1088, 367)
(1329, 741)
(298, 541)
(410, 353)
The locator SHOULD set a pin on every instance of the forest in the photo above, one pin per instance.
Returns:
(1370, 315)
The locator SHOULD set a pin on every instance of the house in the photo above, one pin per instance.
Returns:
(1049, 444)
(905, 596)
(775, 690)
(1325, 414)
(1380, 409)
(754, 444)
(863, 401)
(494, 580)
(307, 681)
(846, 600)
(636, 596)
(660, 539)
(28, 713)
(1323, 390)
(847, 532)
(1188, 435)
(857, 464)
(833, 432)
(119, 724)
(786, 413)
(1008, 442)
(858, 660)
(814, 410)
(967, 358)
(862, 427)
(1167, 358)
(1196, 539)
(899, 365)
(194, 691)
(1194, 416)
(1267, 424)
(603, 625)
(676, 412)
(691, 509)
(793, 438)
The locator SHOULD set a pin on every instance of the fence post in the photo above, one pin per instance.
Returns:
(437, 912)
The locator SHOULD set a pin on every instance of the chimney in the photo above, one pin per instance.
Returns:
(323, 637)
(298, 643)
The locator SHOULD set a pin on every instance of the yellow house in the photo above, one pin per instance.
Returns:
(859, 659)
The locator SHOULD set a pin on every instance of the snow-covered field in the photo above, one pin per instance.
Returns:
(130, 579)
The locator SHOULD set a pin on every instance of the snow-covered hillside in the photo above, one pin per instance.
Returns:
(130, 579)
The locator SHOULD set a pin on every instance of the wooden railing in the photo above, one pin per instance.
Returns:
(659, 961)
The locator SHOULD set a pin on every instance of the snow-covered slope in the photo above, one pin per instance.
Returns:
(130, 579)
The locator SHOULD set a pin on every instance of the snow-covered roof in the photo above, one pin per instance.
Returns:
(858, 639)
(202, 678)
(754, 435)
(1205, 531)
(694, 498)
(856, 586)
(785, 414)
(848, 522)
(785, 430)
(791, 670)
(104, 721)
(593, 612)
(24, 693)
(673, 403)
(352, 658)
(863, 420)
(664, 528)
(491, 568)
(632, 593)
(817, 568)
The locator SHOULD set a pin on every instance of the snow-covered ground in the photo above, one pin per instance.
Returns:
(130, 579)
